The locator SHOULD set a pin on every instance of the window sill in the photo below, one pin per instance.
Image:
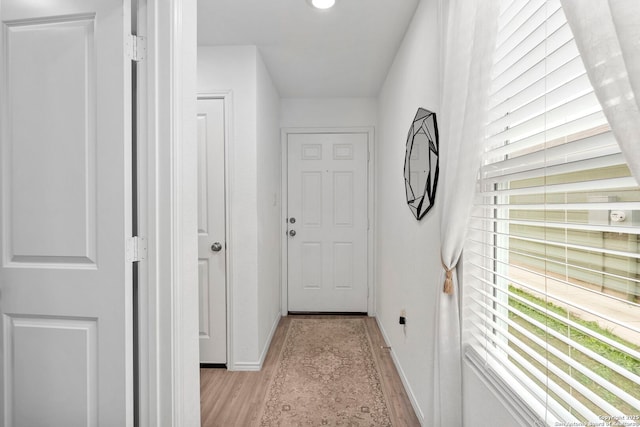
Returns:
(505, 394)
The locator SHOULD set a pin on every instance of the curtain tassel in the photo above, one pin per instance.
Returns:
(448, 282)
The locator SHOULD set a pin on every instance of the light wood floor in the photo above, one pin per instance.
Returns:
(232, 399)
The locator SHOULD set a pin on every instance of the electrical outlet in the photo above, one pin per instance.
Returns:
(403, 317)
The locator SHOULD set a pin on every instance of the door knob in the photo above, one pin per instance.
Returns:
(292, 233)
(216, 247)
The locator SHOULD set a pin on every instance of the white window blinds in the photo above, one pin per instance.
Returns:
(552, 262)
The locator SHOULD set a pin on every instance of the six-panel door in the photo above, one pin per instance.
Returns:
(327, 222)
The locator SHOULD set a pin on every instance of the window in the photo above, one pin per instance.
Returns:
(552, 262)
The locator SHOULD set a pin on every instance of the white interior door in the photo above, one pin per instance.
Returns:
(327, 222)
(211, 232)
(66, 286)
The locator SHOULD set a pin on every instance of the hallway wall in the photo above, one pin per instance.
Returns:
(328, 112)
(268, 199)
(254, 175)
(407, 256)
(408, 251)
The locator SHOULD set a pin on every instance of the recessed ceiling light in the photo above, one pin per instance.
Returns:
(323, 4)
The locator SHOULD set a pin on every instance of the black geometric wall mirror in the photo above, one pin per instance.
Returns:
(421, 163)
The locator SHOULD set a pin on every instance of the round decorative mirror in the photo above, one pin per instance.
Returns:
(421, 163)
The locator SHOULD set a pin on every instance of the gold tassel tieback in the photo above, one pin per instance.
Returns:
(448, 282)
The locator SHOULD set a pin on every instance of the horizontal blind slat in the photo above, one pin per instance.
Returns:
(595, 206)
(534, 391)
(532, 77)
(557, 412)
(524, 108)
(542, 377)
(603, 296)
(573, 110)
(565, 245)
(564, 225)
(543, 138)
(580, 165)
(516, 36)
(595, 185)
(595, 356)
(509, 23)
(623, 348)
(526, 285)
(551, 171)
(593, 397)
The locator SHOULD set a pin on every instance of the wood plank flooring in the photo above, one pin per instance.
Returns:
(233, 399)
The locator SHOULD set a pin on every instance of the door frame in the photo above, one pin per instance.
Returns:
(169, 374)
(369, 131)
(227, 99)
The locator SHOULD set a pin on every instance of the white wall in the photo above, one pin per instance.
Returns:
(408, 251)
(328, 112)
(235, 69)
(269, 159)
(480, 405)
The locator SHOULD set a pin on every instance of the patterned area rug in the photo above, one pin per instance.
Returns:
(326, 376)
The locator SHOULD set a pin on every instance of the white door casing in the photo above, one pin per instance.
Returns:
(211, 230)
(328, 200)
(65, 282)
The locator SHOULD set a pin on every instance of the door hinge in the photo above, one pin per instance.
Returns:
(136, 48)
(136, 250)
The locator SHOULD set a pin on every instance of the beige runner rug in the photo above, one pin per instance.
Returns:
(326, 375)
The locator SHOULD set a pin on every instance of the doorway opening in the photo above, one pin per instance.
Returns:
(213, 230)
(327, 205)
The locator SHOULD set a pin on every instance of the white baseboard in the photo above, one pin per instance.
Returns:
(257, 366)
(267, 344)
(247, 366)
(403, 377)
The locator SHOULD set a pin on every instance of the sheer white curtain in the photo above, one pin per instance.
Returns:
(608, 37)
(470, 28)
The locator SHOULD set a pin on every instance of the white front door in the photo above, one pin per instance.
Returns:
(65, 283)
(211, 232)
(327, 222)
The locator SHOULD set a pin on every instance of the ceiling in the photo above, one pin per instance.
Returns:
(345, 51)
